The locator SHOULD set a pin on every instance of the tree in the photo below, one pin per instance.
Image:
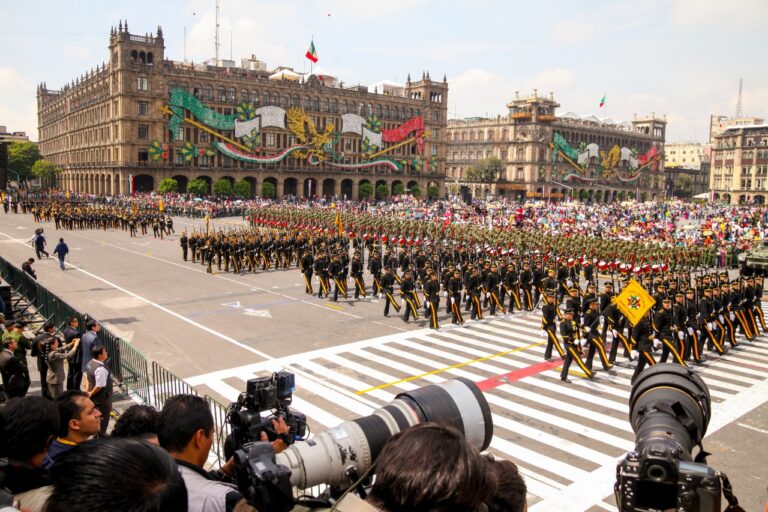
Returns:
(268, 190)
(46, 172)
(21, 157)
(198, 187)
(222, 187)
(242, 188)
(433, 192)
(486, 171)
(168, 186)
(364, 191)
(416, 191)
(622, 195)
(398, 190)
(382, 191)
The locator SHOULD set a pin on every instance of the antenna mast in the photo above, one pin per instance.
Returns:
(738, 101)
(216, 42)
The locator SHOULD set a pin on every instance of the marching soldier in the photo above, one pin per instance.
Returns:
(526, 283)
(388, 288)
(408, 293)
(569, 333)
(492, 290)
(692, 315)
(548, 317)
(374, 267)
(642, 337)
(592, 325)
(679, 321)
(432, 299)
(357, 275)
(664, 323)
(307, 263)
(321, 270)
(454, 288)
(336, 270)
(474, 289)
(183, 241)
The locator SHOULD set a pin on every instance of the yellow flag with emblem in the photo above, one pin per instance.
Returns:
(161, 205)
(634, 302)
(338, 223)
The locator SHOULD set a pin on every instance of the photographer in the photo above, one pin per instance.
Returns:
(185, 430)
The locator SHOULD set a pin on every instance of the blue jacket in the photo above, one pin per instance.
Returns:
(61, 249)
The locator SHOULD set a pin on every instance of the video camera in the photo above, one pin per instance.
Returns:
(264, 394)
(343, 456)
(669, 409)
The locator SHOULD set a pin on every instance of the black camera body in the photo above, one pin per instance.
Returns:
(263, 394)
(669, 410)
(658, 480)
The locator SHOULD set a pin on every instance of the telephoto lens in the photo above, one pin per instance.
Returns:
(355, 444)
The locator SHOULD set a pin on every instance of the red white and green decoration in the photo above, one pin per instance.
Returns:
(316, 147)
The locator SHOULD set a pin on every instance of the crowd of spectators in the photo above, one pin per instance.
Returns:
(53, 458)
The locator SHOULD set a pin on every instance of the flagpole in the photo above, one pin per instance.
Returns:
(311, 62)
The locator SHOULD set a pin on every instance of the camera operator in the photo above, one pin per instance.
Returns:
(27, 425)
(185, 430)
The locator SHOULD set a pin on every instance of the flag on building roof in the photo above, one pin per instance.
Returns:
(602, 100)
(312, 53)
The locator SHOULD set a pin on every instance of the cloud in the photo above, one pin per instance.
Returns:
(18, 110)
(572, 32)
(740, 15)
(478, 92)
(79, 53)
(550, 80)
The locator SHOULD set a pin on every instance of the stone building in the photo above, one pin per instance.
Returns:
(550, 156)
(140, 118)
(740, 164)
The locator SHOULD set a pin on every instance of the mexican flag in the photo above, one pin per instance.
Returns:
(312, 53)
(602, 100)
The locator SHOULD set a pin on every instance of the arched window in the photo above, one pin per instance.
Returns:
(221, 94)
(344, 107)
(232, 95)
(335, 106)
(143, 57)
(296, 101)
(244, 95)
(490, 134)
(171, 87)
(307, 103)
(265, 96)
(255, 97)
(362, 109)
(276, 99)
(378, 111)
(370, 109)
(184, 87)
(386, 111)
(287, 101)
(134, 56)
(504, 134)
(316, 104)
(326, 105)
(150, 58)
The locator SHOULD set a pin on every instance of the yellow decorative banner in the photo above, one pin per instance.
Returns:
(161, 205)
(634, 302)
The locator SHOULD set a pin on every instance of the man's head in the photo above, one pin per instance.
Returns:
(85, 478)
(99, 353)
(511, 493)
(73, 322)
(10, 344)
(185, 428)
(31, 260)
(49, 327)
(93, 325)
(79, 417)
(410, 477)
(139, 421)
(27, 426)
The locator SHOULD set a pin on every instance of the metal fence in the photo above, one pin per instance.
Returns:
(129, 367)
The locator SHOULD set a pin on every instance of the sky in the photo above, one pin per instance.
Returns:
(681, 58)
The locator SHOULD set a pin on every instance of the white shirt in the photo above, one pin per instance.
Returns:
(100, 375)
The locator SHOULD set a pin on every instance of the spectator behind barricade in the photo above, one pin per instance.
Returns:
(100, 386)
(27, 267)
(431, 468)
(74, 372)
(39, 347)
(93, 476)
(79, 421)
(87, 341)
(139, 421)
(511, 492)
(55, 357)
(27, 426)
(186, 431)
(15, 376)
(22, 343)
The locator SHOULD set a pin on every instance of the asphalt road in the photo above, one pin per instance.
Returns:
(216, 331)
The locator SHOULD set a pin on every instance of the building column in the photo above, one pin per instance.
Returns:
(337, 188)
(279, 188)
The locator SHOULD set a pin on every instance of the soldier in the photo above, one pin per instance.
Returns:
(537, 278)
(707, 321)
(408, 293)
(374, 267)
(183, 241)
(679, 321)
(526, 283)
(548, 316)
(388, 288)
(474, 289)
(569, 332)
(664, 324)
(321, 269)
(592, 326)
(492, 289)
(432, 299)
(357, 275)
(642, 337)
(454, 288)
(692, 318)
(336, 271)
(307, 262)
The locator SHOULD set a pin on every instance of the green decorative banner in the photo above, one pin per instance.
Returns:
(181, 100)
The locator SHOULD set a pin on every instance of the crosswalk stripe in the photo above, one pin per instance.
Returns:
(344, 380)
(517, 452)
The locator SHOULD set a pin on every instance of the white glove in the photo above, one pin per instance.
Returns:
(445, 294)
(615, 334)
(722, 320)
(633, 354)
(601, 321)
(487, 294)
(710, 326)
(453, 300)
(732, 316)
(568, 283)
(656, 343)
(690, 331)
(681, 335)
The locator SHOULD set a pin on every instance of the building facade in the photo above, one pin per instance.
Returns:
(6, 137)
(740, 165)
(688, 155)
(141, 118)
(545, 155)
(718, 123)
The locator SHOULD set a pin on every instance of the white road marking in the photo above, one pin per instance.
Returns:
(262, 313)
(235, 304)
(750, 427)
